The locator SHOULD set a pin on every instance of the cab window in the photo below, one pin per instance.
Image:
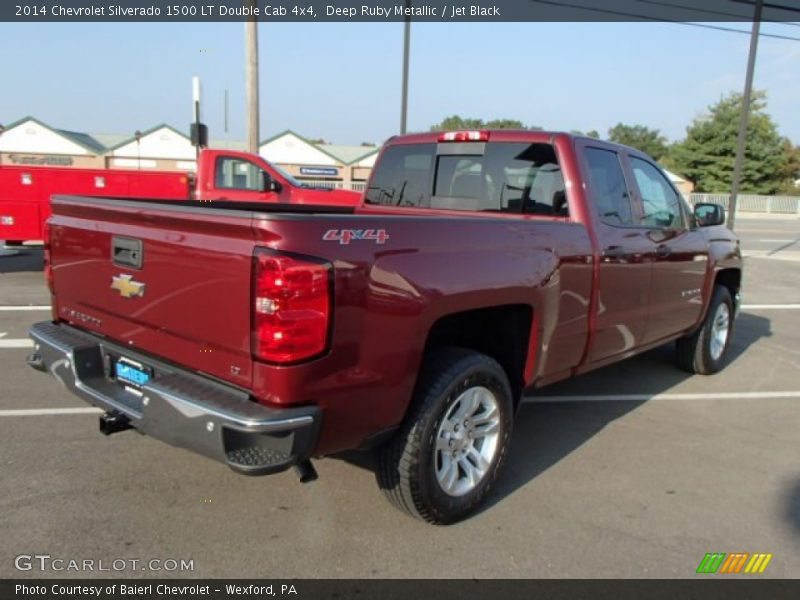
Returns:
(238, 174)
(661, 204)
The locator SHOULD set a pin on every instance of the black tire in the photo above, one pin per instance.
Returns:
(694, 352)
(406, 464)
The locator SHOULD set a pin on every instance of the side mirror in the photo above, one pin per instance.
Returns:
(268, 184)
(709, 214)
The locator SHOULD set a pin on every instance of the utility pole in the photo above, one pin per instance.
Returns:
(404, 97)
(748, 90)
(251, 83)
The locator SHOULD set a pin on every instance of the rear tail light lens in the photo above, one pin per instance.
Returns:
(464, 136)
(48, 269)
(291, 307)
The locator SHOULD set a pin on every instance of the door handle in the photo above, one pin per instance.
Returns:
(662, 251)
(614, 252)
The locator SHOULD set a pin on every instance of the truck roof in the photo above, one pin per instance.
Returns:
(507, 135)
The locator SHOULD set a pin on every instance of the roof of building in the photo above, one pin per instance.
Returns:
(145, 133)
(84, 140)
(102, 143)
(674, 177)
(347, 154)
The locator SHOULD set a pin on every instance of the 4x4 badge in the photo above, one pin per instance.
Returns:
(127, 287)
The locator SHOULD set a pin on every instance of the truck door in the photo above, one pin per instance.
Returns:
(236, 178)
(680, 253)
(625, 267)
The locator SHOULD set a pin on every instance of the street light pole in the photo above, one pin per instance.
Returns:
(251, 83)
(742, 139)
(404, 97)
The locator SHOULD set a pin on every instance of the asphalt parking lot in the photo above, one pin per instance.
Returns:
(637, 470)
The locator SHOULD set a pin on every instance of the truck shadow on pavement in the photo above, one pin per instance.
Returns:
(20, 260)
(547, 432)
(793, 508)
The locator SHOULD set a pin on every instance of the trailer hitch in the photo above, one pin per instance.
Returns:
(114, 422)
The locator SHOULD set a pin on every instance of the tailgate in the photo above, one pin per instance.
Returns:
(172, 282)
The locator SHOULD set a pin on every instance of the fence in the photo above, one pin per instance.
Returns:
(356, 186)
(752, 203)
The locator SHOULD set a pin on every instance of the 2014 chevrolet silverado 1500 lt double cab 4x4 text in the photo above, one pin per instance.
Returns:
(480, 265)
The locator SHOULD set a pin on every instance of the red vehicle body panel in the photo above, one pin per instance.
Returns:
(25, 192)
(587, 308)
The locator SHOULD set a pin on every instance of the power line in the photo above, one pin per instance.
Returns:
(711, 12)
(794, 9)
(661, 20)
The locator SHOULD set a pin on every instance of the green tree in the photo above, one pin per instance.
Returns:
(504, 124)
(792, 170)
(708, 153)
(649, 141)
(457, 123)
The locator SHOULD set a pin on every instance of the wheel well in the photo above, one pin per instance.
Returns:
(500, 332)
(731, 279)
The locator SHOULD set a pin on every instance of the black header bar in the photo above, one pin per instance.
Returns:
(446, 11)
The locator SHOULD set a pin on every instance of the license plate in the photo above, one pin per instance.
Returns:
(131, 372)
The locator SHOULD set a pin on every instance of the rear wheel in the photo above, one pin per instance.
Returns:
(444, 460)
(705, 351)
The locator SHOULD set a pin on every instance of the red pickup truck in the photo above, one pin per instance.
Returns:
(481, 264)
(25, 192)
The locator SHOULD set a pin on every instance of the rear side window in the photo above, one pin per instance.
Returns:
(497, 177)
(608, 187)
(403, 176)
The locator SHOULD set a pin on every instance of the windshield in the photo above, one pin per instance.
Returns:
(289, 178)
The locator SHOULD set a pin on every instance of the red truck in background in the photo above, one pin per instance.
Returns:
(25, 192)
(481, 264)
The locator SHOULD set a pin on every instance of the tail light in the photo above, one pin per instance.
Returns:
(464, 136)
(48, 269)
(291, 307)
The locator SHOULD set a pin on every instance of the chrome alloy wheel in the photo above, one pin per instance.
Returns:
(467, 441)
(720, 328)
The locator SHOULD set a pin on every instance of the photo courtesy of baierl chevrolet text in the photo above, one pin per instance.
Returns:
(399, 299)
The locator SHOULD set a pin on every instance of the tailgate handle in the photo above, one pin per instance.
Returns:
(126, 252)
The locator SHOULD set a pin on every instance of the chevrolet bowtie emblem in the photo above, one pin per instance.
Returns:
(127, 287)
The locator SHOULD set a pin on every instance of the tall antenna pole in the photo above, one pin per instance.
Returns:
(404, 98)
(748, 89)
(226, 113)
(251, 80)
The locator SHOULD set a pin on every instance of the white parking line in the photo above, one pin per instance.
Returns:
(16, 308)
(16, 343)
(770, 306)
(650, 397)
(89, 410)
(42, 412)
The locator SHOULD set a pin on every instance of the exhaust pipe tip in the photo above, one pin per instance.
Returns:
(35, 361)
(306, 471)
(114, 422)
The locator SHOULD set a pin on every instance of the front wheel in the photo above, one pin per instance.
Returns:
(443, 461)
(704, 352)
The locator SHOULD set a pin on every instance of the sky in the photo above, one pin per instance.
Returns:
(341, 81)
